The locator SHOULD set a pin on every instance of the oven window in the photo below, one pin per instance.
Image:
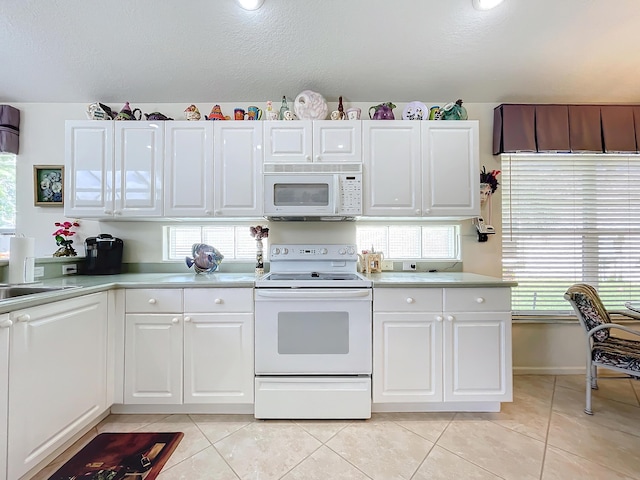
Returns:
(301, 194)
(313, 333)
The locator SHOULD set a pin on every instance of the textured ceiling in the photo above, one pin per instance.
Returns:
(163, 51)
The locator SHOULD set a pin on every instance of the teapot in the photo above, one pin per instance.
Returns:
(156, 116)
(370, 262)
(383, 111)
(127, 114)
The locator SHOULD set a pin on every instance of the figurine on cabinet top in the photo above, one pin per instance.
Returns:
(192, 113)
(216, 114)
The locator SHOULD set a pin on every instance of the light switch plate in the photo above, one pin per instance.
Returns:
(409, 266)
(38, 272)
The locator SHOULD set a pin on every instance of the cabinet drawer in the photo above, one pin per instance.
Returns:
(477, 299)
(214, 300)
(148, 300)
(407, 299)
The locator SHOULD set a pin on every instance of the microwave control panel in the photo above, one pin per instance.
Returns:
(350, 194)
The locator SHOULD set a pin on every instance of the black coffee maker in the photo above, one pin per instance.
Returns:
(103, 255)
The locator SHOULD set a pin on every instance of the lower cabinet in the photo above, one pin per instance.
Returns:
(57, 376)
(191, 346)
(5, 323)
(442, 345)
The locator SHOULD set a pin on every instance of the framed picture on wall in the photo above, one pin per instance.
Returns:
(48, 185)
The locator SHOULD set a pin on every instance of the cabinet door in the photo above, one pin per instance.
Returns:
(451, 169)
(477, 356)
(238, 169)
(218, 358)
(188, 172)
(57, 376)
(391, 152)
(288, 141)
(153, 359)
(88, 182)
(139, 151)
(407, 357)
(337, 141)
(5, 323)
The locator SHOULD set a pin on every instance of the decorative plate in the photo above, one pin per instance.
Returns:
(310, 105)
(415, 111)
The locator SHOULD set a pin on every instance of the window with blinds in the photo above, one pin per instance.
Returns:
(420, 242)
(568, 219)
(234, 241)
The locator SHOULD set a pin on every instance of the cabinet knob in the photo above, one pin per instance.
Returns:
(308, 158)
(480, 300)
(439, 318)
(117, 212)
(318, 158)
(152, 301)
(218, 301)
(23, 318)
(6, 324)
(418, 211)
(107, 212)
(410, 300)
(175, 320)
(450, 318)
(187, 319)
(208, 212)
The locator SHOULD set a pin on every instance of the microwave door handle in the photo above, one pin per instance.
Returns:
(336, 188)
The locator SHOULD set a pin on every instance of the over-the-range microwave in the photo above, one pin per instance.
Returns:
(312, 191)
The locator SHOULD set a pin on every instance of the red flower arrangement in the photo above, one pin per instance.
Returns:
(63, 240)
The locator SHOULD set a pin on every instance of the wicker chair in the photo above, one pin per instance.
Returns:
(603, 349)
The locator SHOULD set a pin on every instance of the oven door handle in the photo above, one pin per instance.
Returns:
(303, 293)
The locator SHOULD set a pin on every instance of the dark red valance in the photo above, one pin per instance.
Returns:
(566, 128)
(9, 129)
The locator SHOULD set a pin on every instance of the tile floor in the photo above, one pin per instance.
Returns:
(543, 434)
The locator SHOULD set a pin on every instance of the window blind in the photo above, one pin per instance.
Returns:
(567, 219)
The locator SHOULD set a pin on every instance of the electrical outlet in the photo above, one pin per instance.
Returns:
(38, 272)
(409, 266)
(387, 265)
(69, 269)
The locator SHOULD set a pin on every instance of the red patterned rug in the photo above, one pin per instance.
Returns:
(116, 456)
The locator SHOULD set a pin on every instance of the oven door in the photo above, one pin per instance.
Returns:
(313, 331)
(300, 195)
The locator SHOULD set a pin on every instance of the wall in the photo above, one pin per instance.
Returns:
(537, 348)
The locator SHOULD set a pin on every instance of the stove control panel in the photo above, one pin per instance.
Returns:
(313, 252)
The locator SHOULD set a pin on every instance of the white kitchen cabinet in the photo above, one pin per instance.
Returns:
(5, 323)
(444, 346)
(153, 346)
(238, 169)
(188, 170)
(138, 163)
(421, 169)
(113, 169)
(202, 354)
(89, 180)
(477, 344)
(313, 141)
(392, 168)
(451, 168)
(218, 346)
(57, 376)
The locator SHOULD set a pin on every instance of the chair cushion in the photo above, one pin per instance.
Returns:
(618, 352)
(593, 313)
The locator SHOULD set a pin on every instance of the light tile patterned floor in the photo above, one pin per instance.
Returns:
(543, 434)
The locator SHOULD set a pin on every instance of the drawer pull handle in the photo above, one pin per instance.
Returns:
(187, 319)
(450, 318)
(6, 324)
(217, 301)
(24, 318)
(410, 300)
(152, 301)
(480, 300)
(439, 318)
(175, 320)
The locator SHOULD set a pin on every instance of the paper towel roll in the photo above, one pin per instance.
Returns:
(21, 259)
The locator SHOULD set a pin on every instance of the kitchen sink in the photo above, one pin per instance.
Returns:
(12, 291)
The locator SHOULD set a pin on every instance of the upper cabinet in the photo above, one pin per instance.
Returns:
(421, 169)
(312, 141)
(237, 155)
(188, 175)
(113, 169)
(154, 169)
